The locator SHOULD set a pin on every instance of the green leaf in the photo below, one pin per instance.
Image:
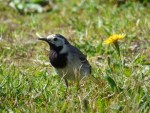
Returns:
(113, 84)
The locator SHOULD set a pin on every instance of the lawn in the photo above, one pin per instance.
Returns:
(121, 77)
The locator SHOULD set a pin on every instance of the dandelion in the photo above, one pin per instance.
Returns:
(114, 38)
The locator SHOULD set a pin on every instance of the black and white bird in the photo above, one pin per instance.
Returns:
(68, 61)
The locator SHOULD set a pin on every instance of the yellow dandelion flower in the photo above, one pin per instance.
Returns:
(114, 38)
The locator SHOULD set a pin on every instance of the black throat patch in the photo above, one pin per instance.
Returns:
(58, 60)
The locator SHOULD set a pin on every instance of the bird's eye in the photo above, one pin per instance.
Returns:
(55, 39)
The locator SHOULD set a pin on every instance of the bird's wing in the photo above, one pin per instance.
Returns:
(77, 54)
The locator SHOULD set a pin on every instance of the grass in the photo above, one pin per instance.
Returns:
(29, 84)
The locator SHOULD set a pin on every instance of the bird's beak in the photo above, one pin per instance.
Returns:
(43, 39)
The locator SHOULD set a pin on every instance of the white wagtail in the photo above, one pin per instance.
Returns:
(68, 61)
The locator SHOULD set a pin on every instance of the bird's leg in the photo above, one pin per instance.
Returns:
(66, 82)
(78, 84)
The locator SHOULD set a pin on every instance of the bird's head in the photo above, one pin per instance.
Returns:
(55, 41)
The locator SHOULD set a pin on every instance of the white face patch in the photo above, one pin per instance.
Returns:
(64, 49)
(54, 39)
